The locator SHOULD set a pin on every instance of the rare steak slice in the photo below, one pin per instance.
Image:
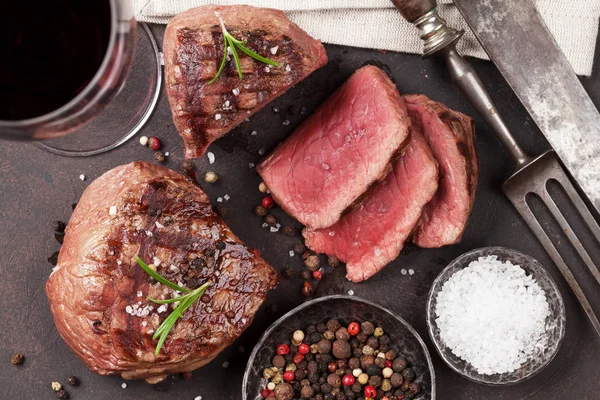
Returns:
(345, 146)
(193, 49)
(451, 136)
(97, 291)
(373, 233)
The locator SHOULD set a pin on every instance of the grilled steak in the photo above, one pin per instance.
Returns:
(373, 233)
(193, 49)
(346, 145)
(451, 136)
(98, 292)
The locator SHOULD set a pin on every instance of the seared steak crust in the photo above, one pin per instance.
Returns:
(193, 49)
(451, 136)
(97, 291)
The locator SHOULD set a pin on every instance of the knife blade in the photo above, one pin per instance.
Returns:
(515, 37)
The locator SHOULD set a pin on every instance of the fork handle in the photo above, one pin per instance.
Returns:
(467, 80)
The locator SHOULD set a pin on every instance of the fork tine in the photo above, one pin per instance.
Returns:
(576, 199)
(547, 199)
(525, 211)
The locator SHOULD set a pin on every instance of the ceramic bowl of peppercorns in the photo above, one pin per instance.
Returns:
(339, 348)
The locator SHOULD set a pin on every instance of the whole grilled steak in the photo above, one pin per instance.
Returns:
(97, 291)
(451, 136)
(193, 49)
(374, 232)
(346, 145)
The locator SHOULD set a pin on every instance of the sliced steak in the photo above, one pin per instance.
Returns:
(193, 49)
(97, 291)
(346, 145)
(451, 136)
(373, 233)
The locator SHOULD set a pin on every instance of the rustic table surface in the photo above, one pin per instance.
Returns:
(37, 188)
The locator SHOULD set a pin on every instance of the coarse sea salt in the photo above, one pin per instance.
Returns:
(493, 315)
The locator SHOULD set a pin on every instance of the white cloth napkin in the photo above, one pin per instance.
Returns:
(376, 24)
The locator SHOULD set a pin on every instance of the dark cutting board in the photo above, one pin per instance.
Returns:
(37, 188)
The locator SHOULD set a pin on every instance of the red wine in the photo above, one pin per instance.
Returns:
(49, 51)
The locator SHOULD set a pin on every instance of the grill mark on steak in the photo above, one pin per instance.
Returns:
(98, 277)
(194, 47)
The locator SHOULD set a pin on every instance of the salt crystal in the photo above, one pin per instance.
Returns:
(331, 233)
(226, 364)
(139, 293)
(250, 165)
(411, 271)
(144, 323)
(217, 116)
(211, 157)
(173, 268)
(264, 225)
(236, 91)
(254, 133)
(219, 199)
(286, 122)
(288, 68)
(274, 50)
(128, 310)
(403, 271)
(351, 292)
(156, 261)
(148, 233)
(261, 151)
(198, 398)
(112, 210)
(167, 154)
(82, 177)
(162, 309)
(274, 229)
(159, 225)
(493, 315)
(226, 197)
(292, 253)
(267, 69)
(123, 385)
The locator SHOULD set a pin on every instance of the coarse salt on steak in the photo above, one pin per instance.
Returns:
(97, 291)
(451, 136)
(372, 234)
(339, 151)
(193, 49)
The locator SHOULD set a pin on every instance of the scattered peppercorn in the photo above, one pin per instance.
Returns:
(307, 289)
(220, 245)
(159, 157)
(221, 210)
(260, 211)
(317, 274)
(154, 143)
(62, 394)
(299, 248)
(262, 187)
(289, 230)
(333, 261)
(312, 262)
(17, 359)
(211, 177)
(270, 220)
(267, 202)
(306, 275)
(186, 375)
(408, 374)
(288, 273)
(73, 381)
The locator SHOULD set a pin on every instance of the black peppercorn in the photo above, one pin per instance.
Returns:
(73, 381)
(159, 156)
(334, 380)
(384, 339)
(220, 245)
(362, 337)
(341, 349)
(354, 363)
(300, 374)
(299, 248)
(221, 210)
(405, 387)
(383, 347)
(390, 354)
(313, 377)
(326, 358)
(396, 379)
(333, 261)
(198, 263)
(367, 328)
(342, 334)
(307, 391)
(319, 396)
(375, 380)
(373, 342)
(322, 367)
(288, 273)
(322, 379)
(62, 394)
(380, 362)
(354, 343)
(373, 369)
(399, 364)
(356, 388)
(408, 374)
(17, 359)
(260, 211)
(306, 275)
(357, 352)
(333, 325)
(284, 391)
(314, 338)
(340, 396)
(296, 385)
(289, 230)
(270, 220)
(278, 361)
(326, 388)
(414, 387)
(312, 366)
(366, 360)
(324, 347)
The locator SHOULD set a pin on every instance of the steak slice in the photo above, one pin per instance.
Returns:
(193, 49)
(451, 136)
(97, 291)
(333, 156)
(373, 233)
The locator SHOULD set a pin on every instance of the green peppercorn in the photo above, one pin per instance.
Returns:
(378, 331)
(386, 385)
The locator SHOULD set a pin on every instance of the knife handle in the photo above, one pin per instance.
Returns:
(412, 10)
(467, 80)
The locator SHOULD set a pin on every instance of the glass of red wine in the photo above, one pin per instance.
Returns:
(61, 63)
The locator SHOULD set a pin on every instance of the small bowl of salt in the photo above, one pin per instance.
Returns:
(496, 316)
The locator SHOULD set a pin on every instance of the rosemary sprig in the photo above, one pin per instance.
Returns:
(184, 302)
(233, 44)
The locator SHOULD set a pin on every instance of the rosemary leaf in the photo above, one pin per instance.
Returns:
(222, 62)
(256, 56)
(235, 56)
(159, 278)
